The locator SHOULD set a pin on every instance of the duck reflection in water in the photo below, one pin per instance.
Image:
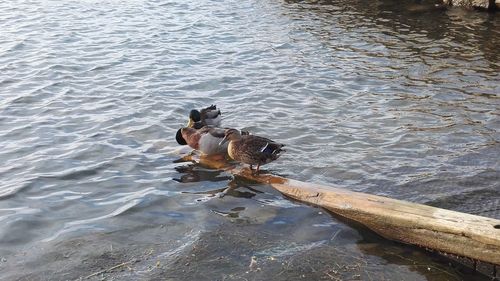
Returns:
(196, 172)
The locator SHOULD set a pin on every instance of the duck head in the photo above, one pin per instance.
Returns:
(229, 135)
(194, 117)
(179, 138)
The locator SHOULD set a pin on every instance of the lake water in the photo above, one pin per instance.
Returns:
(394, 98)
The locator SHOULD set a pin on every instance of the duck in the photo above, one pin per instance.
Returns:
(206, 140)
(209, 116)
(251, 149)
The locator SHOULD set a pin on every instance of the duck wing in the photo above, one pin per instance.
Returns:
(268, 146)
(262, 148)
(211, 107)
(272, 148)
(210, 112)
(215, 132)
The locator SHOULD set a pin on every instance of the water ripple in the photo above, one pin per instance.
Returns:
(370, 97)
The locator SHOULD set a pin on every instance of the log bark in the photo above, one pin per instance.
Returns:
(448, 231)
(483, 4)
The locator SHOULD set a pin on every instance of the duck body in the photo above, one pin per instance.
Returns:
(209, 116)
(206, 140)
(251, 149)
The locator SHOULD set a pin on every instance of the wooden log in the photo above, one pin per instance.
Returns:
(482, 4)
(478, 4)
(448, 231)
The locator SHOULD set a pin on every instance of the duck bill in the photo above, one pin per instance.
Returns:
(223, 141)
(190, 123)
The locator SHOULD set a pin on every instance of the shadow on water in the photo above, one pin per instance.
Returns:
(426, 18)
(432, 264)
(197, 173)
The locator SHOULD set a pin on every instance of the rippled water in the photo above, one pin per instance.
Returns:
(390, 98)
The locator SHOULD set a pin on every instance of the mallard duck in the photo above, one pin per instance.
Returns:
(251, 149)
(209, 116)
(206, 140)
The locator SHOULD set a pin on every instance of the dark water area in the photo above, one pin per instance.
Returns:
(394, 98)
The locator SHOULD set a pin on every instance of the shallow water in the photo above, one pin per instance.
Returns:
(390, 98)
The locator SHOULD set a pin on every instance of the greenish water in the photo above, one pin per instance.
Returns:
(393, 98)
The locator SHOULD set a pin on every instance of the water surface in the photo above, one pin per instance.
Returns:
(387, 97)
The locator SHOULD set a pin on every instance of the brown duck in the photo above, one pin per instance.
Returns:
(251, 149)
